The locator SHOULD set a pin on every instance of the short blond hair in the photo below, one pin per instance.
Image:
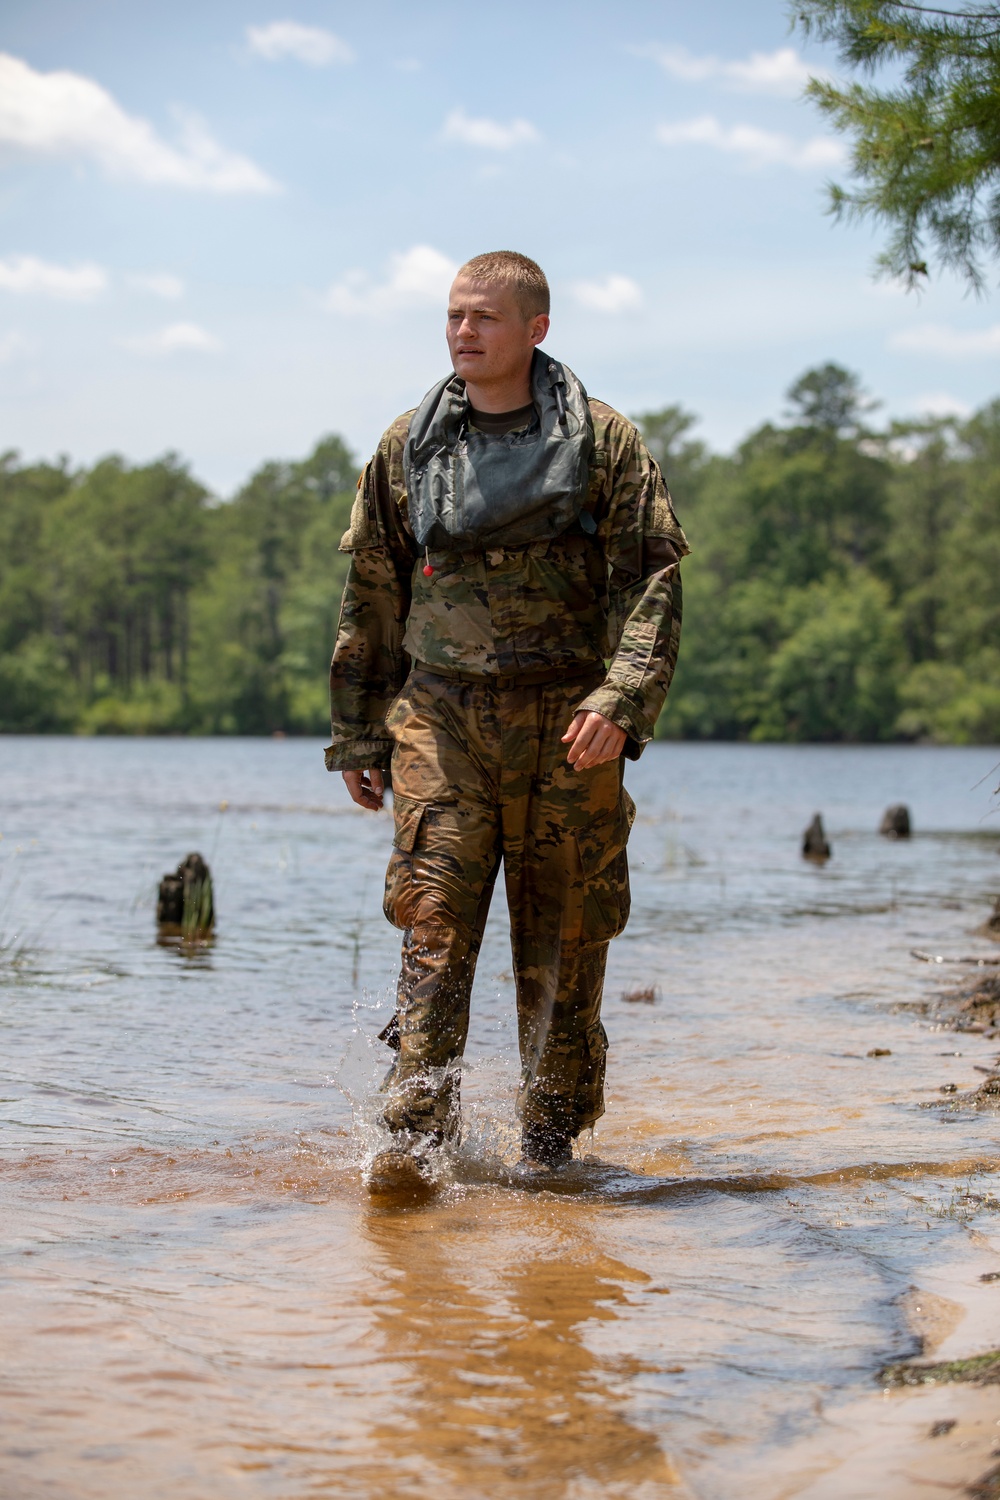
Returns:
(525, 278)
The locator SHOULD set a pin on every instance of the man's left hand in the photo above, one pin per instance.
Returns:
(592, 740)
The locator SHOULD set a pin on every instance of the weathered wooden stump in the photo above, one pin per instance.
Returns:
(895, 822)
(184, 906)
(814, 844)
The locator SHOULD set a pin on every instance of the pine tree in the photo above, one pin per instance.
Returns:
(925, 149)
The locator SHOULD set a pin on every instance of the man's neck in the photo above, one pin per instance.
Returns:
(508, 395)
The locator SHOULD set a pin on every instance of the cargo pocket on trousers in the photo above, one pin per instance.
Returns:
(396, 904)
(606, 897)
(408, 816)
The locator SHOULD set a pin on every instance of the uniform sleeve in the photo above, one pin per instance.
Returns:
(644, 544)
(369, 665)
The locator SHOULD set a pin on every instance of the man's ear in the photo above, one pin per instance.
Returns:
(539, 327)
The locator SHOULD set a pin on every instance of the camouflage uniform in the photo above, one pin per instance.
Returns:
(467, 680)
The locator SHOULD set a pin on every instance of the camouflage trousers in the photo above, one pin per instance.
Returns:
(480, 778)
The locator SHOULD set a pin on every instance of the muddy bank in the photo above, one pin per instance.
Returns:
(970, 1006)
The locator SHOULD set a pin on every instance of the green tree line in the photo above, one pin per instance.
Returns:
(843, 584)
(844, 579)
(132, 602)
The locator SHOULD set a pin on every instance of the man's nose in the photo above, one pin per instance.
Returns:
(467, 330)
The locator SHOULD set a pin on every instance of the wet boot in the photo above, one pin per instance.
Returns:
(421, 1113)
(405, 1169)
(547, 1146)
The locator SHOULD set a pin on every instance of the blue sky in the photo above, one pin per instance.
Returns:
(229, 228)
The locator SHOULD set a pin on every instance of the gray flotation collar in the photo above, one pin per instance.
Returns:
(469, 489)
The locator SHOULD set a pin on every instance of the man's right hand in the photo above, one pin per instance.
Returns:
(367, 788)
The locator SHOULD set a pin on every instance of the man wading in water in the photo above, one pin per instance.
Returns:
(508, 632)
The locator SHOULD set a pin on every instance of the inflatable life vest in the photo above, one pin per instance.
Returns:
(468, 489)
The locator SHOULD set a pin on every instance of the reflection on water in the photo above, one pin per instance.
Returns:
(502, 1392)
(200, 1298)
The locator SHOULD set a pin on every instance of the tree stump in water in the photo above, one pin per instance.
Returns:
(184, 905)
(814, 844)
(895, 822)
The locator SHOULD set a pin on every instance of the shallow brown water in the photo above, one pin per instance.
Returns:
(200, 1298)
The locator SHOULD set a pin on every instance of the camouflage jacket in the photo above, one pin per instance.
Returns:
(608, 595)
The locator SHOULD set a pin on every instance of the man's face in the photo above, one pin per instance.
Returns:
(489, 338)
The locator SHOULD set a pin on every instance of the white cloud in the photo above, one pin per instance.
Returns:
(408, 65)
(66, 114)
(491, 135)
(26, 274)
(158, 284)
(757, 147)
(612, 295)
(949, 343)
(941, 404)
(175, 338)
(417, 276)
(780, 72)
(307, 44)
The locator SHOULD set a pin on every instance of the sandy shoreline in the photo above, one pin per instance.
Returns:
(941, 1436)
(940, 1439)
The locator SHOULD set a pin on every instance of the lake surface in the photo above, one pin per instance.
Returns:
(200, 1298)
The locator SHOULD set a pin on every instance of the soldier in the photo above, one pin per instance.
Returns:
(508, 633)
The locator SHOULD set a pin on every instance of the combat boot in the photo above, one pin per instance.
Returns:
(406, 1169)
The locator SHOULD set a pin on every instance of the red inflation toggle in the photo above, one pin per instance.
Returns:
(428, 570)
